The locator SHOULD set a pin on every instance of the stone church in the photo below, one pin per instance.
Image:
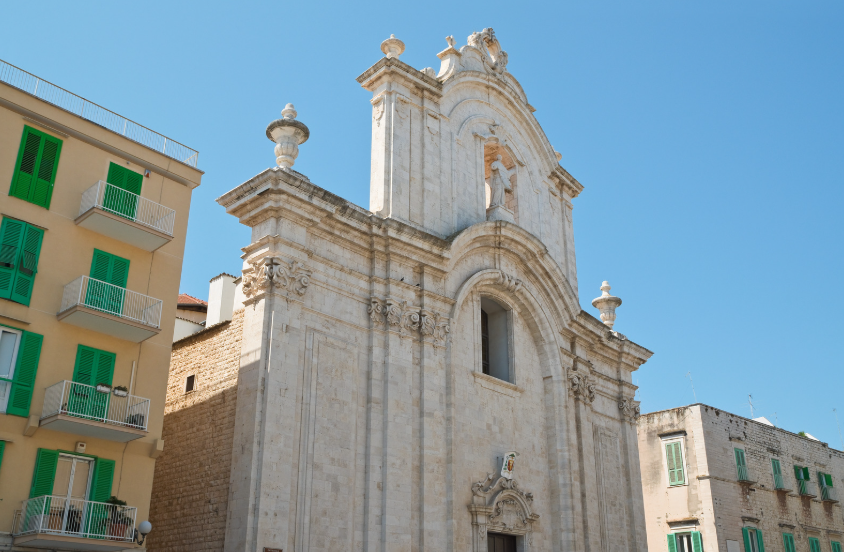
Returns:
(414, 376)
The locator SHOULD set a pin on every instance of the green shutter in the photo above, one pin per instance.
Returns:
(814, 544)
(27, 264)
(2, 450)
(104, 368)
(746, 535)
(836, 546)
(101, 483)
(825, 479)
(23, 381)
(674, 456)
(110, 268)
(119, 271)
(45, 473)
(83, 371)
(116, 201)
(798, 473)
(697, 542)
(788, 542)
(740, 462)
(35, 172)
(672, 542)
(93, 366)
(775, 464)
(11, 239)
(760, 541)
(100, 265)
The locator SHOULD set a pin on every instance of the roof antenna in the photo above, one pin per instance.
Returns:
(689, 375)
(839, 428)
(776, 420)
(750, 402)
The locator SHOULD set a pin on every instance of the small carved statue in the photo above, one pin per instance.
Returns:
(499, 182)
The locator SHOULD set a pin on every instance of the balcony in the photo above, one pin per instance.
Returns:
(61, 523)
(829, 494)
(807, 488)
(779, 483)
(125, 216)
(94, 411)
(109, 309)
(744, 475)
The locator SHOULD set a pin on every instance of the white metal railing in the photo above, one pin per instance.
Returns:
(102, 296)
(90, 403)
(109, 197)
(58, 96)
(59, 515)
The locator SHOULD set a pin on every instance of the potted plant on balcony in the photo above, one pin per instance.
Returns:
(120, 391)
(135, 420)
(117, 523)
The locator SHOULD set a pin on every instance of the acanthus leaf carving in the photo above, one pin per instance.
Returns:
(261, 275)
(581, 386)
(630, 409)
(397, 315)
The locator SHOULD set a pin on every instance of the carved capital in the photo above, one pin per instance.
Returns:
(581, 386)
(630, 409)
(408, 320)
(275, 273)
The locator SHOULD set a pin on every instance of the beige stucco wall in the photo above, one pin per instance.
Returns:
(715, 501)
(66, 254)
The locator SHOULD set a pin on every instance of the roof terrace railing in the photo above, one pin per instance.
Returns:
(58, 96)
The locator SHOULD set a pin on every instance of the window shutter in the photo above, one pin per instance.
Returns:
(23, 180)
(117, 175)
(740, 458)
(23, 382)
(788, 542)
(814, 544)
(775, 464)
(101, 483)
(836, 546)
(798, 473)
(672, 542)
(697, 542)
(828, 479)
(100, 265)
(746, 535)
(760, 541)
(45, 473)
(27, 264)
(83, 371)
(104, 367)
(11, 238)
(806, 476)
(674, 455)
(45, 177)
(110, 268)
(2, 450)
(119, 271)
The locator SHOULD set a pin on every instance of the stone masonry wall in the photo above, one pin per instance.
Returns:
(190, 490)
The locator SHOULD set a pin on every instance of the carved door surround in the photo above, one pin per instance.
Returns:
(500, 506)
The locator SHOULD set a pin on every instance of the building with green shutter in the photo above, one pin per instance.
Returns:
(714, 481)
(93, 216)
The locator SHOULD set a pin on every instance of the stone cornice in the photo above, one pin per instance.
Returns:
(369, 78)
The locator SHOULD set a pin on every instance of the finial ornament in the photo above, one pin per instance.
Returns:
(392, 47)
(287, 133)
(450, 41)
(607, 304)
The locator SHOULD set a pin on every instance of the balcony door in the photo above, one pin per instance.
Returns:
(70, 491)
(121, 198)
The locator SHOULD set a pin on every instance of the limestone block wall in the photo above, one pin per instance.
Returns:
(714, 502)
(191, 485)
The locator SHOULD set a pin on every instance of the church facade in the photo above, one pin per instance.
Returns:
(419, 375)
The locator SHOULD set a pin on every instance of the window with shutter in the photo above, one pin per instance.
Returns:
(814, 544)
(45, 473)
(37, 164)
(101, 483)
(106, 289)
(788, 542)
(122, 198)
(836, 546)
(2, 450)
(741, 465)
(23, 380)
(672, 543)
(697, 542)
(674, 458)
(93, 366)
(779, 483)
(20, 247)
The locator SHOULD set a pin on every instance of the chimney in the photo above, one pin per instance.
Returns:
(220, 299)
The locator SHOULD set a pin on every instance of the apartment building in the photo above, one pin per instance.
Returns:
(93, 216)
(715, 481)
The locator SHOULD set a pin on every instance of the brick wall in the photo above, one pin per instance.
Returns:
(190, 490)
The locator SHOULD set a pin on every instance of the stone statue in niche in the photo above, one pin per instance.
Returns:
(499, 182)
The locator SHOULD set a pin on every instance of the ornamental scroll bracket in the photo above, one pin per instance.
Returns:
(581, 385)
(287, 277)
(398, 316)
(500, 506)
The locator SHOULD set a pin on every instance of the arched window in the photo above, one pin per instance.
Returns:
(495, 340)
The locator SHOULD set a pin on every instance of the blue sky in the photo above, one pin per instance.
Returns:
(708, 136)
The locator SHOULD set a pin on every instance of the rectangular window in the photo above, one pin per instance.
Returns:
(92, 367)
(741, 465)
(779, 483)
(189, 383)
(20, 247)
(834, 545)
(788, 542)
(685, 542)
(674, 458)
(814, 544)
(107, 286)
(122, 196)
(35, 170)
(824, 479)
(19, 355)
(753, 541)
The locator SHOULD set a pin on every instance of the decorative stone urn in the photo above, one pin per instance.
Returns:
(287, 133)
(392, 47)
(607, 304)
